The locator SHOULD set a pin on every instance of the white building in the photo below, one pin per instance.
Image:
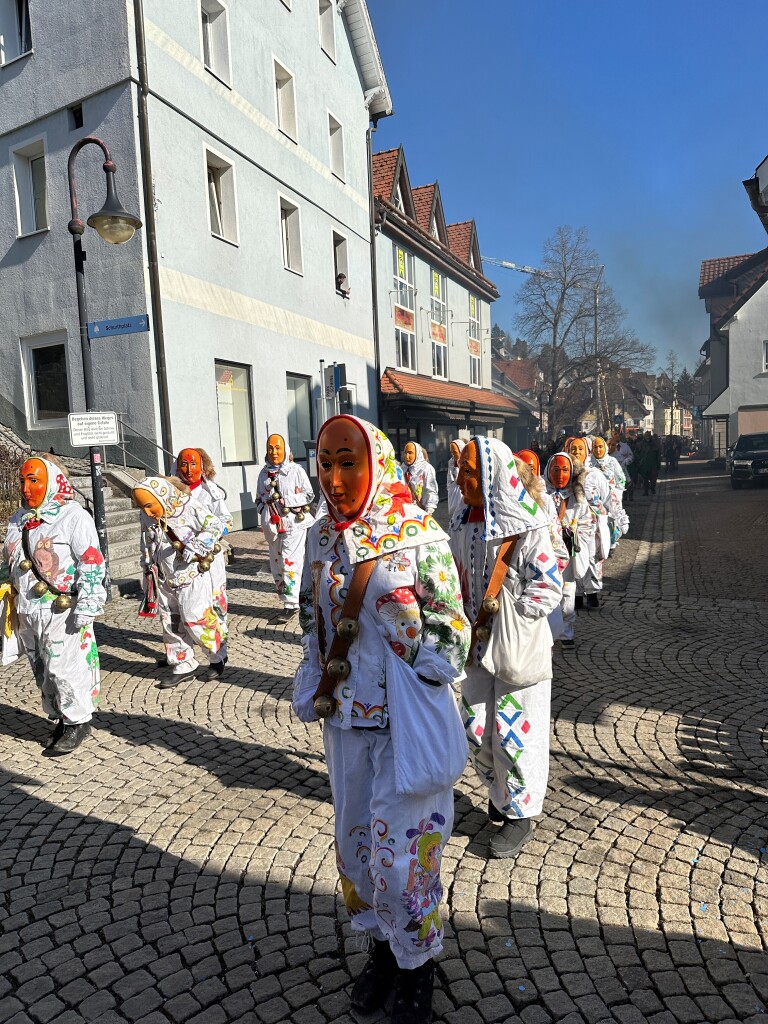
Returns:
(239, 131)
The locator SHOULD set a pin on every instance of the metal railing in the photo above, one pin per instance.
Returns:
(124, 442)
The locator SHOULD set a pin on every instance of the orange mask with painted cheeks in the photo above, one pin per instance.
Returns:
(148, 502)
(344, 468)
(530, 459)
(577, 449)
(190, 465)
(275, 449)
(33, 477)
(469, 478)
(560, 472)
(598, 447)
(409, 454)
(455, 452)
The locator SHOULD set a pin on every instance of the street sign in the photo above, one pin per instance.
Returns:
(123, 325)
(92, 428)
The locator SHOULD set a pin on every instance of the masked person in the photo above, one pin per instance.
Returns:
(179, 543)
(283, 498)
(53, 561)
(621, 451)
(506, 693)
(420, 477)
(565, 484)
(455, 500)
(394, 742)
(618, 520)
(598, 497)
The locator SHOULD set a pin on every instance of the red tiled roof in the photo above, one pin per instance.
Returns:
(751, 283)
(460, 240)
(384, 167)
(711, 270)
(423, 197)
(523, 373)
(410, 385)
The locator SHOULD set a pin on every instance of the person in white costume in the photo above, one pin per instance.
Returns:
(610, 467)
(565, 484)
(52, 559)
(179, 546)
(420, 477)
(598, 495)
(455, 500)
(506, 693)
(393, 814)
(283, 496)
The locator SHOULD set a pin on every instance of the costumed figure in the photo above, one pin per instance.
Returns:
(53, 562)
(420, 477)
(283, 498)
(598, 497)
(455, 500)
(578, 523)
(648, 458)
(384, 637)
(179, 546)
(624, 455)
(510, 583)
(610, 467)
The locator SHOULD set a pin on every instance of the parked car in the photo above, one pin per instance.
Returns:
(747, 460)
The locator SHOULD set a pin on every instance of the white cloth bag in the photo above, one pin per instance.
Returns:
(519, 652)
(11, 647)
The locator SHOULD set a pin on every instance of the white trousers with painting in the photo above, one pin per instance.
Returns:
(508, 734)
(65, 662)
(195, 615)
(286, 556)
(388, 847)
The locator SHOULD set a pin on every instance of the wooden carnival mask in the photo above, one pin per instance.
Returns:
(455, 452)
(577, 449)
(530, 459)
(560, 472)
(409, 454)
(469, 478)
(344, 467)
(33, 477)
(599, 447)
(190, 465)
(148, 502)
(275, 449)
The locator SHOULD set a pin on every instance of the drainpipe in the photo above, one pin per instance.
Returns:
(150, 231)
(374, 280)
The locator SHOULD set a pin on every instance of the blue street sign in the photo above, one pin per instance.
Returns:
(123, 325)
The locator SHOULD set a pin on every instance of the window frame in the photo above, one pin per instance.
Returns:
(475, 362)
(277, 63)
(405, 286)
(28, 345)
(22, 33)
(22, 155)
(340, 266)
(303, 459)
(326, 14)
(251, 412)
(222, 165)
(219, 48)
(284, 240)
(765, 357)
(333, 120)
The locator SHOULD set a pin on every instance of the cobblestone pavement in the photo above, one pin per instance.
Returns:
(182, 868)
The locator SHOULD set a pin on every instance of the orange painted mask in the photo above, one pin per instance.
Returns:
(148, 502)
(577, 449)
(190, 465)
(409, 454)
(560, 472)
(275, 449)
(469, 478)
(344, 467)
(33, 477)
(530, 459)
(598, 447)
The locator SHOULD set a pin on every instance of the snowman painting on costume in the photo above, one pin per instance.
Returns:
(283, 495)
(57, 633)
(420, 477)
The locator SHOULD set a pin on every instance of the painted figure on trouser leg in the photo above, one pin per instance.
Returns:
(380, 585)
(52, 560)
(283, 495)
(501, 543)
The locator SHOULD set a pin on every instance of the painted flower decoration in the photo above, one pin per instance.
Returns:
(92, 556)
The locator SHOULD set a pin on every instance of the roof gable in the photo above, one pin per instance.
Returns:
(430, 217)
(391, 181)
(462, 239)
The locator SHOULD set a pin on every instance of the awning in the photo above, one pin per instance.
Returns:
(430, 394)
(720, 407)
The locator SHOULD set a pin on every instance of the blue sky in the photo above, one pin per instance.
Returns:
(637, 121)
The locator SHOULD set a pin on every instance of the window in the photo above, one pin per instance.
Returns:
(340, 265)
(15, 33)
(285, 101)
(404, 308)
(473, 343)
(336, 146)
(215, 39)
(328, 28)
(290, 231)
(438, 329)
(29, 175)
(46, 380)
(765, 357)
(222, 210)
(233, 399)
(75, 117)
(299, 415)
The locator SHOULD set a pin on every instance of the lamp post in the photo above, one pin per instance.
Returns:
(541, 415)
(596, 288)
(115, 225)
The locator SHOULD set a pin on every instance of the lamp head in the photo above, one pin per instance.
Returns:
(113, 222)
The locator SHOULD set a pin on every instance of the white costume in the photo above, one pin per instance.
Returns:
(578, 524)
(618, 520)
(190, 601)
(282, 493)
(413, 640)
(455, 500)
(60, 645)
(507, 727)
(422, 481)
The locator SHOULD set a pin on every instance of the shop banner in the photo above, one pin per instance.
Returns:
(438, 332)
(405, 319)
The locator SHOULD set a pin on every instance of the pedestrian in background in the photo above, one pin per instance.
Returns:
(420, 477)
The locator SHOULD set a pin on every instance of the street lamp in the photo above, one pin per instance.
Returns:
(596, 288)
(115, 225)
(541, 415)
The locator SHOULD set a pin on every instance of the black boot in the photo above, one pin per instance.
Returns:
(593, 601)
(413, 995)
(214, 672)
(579, 602)
(71, 738)
(510, 837)
(56, 735)
(376, 979)
(494, 814)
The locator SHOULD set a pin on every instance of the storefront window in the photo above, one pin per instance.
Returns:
(299, 415)
(233, 398)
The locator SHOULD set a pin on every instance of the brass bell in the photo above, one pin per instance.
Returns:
(324, 706)
(177, 545)
(338, 668)
(348, 628)
(306, 508)
(216, 549)
(483, 633)
(62, 602)
(40, 588)
(205, 564)
(491, 605)
(299, 517)
(25, 564)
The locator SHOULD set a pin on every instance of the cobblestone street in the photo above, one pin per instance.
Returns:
(180, 866)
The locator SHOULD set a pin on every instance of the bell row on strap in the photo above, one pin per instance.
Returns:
(339, 668)
(348, 628)
(483, 633)
(25, 564)
(491, 605)
(324, 706)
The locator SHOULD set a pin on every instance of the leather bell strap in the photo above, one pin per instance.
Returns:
(340, 645)
(562, 510)
(503, 561)
(36, 571)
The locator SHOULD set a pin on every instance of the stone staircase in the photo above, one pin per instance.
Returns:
(123, 529)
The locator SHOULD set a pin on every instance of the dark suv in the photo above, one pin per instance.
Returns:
(748, 459)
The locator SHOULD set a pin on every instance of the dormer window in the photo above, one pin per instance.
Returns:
(433, 230)
(398, 200)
